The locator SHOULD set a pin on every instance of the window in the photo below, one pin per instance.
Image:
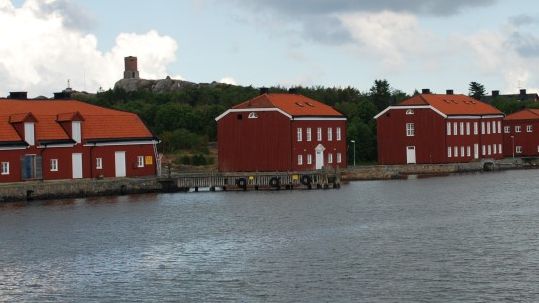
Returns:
(493, 127)
(308, 134)
(5, 168)
(309, 159)
(489, 149)
(339, 158)
(300, 132)
(517, 129)
(75, 131)
(529, 128)
(499, 127)
(330, 134)
(99, 163)
(338, 129)
(252, 115)
(518, 149)
(469, 151)
(449, 128)
(29, 133)
(468, 128)
(410, 129)
(500, 148)
(495, 149)
(409, 111)
(54, 164)
(455, 128)
(140, 161)
(456, 151)
(300, 159)
(462, 151)
(482, 128)
(475, 128)
(484, 149)
(319, 134)
(488, 128)
(507, 129)
(449, 152)
(330, 158)
(461, 128)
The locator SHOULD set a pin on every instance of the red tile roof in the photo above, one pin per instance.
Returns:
(452, 105)
(98, 122)
(525, 114)
(292, 104)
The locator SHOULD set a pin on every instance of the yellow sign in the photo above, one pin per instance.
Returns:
(148, 160)
(251, 178)
(295, 177)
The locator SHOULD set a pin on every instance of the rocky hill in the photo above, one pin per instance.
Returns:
(166, 85)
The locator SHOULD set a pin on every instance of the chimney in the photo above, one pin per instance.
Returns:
(449, 92)
(18, 95)
(523, 92)
(425, 91)
(264, 90)
(293, 90)
(62, 95)
(495, 93)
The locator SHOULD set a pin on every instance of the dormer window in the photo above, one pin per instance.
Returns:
(409, 111)
(253, 115)
(29, 134)
(75, 131)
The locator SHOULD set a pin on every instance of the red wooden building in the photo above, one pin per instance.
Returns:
(437, 128)
(64, 139)
(281, 132)
(520, 134)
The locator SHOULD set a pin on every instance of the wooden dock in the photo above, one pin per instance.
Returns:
(321, 179)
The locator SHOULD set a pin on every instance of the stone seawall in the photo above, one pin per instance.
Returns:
(40, 190)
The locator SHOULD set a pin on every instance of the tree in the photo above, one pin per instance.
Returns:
(380, 94)
(476, 90)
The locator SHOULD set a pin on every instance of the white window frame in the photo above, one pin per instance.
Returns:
(468, 151)
(500, 148)
(518, 129)
(330, 158)
(339, 157)
(489, 149)
(494, 149)
(29, 133)
(76, 131)
(476, 128)
(410, 111)
(456, 151)
(529, 128)
(462, 154)
(54, 164)
(499, 127)
(309, 159)
(507, 129)
(449, 149)
(410, 129)
(482, 127)
(299, 134)
(300, 159)
(319, 134)
(488, 128)
(484, 150)
(98, 163)
(494, 127)
(455, 128)
(5, 168)
(467, 128)
(462, 128)
(338, 134)
(140, 161)
(308, 134)
(330, 134)
(518, 149)
(449, 128)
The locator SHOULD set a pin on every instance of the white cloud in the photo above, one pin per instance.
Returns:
(228, 80)
(39, 52)
(391, 36)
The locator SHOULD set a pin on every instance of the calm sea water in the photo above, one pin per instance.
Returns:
(466, 238)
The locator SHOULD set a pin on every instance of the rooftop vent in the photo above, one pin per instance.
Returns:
(523, 92)
(293, 90)
(264, 90)
(449, 92)
(299, 104)
(62, 95)
(18, 95)
(309, 104)
(425, 91)
(495, 93)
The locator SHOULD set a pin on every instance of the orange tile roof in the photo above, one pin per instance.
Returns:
(99, 122)
(525, 114)
(453, 104)
(292, 104)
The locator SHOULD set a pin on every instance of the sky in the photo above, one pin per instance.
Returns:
(414, 44)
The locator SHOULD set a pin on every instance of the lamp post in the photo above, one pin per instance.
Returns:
(354, 142)
(513, 145)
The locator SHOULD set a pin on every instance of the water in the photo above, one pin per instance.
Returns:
(467, 238)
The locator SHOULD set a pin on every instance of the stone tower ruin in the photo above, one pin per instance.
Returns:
(131, 71)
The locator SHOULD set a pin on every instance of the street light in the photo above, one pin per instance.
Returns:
(354, 142)
(513, 140)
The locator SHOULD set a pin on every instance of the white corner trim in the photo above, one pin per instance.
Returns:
(410, 107)
(243, 110)
(147, 142)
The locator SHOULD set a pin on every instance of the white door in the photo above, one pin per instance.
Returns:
(119, 163)
(76, 161)
(410, 154)
(476, 151)
(319, 151)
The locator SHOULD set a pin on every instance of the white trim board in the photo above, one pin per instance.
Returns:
(243, 110)
(13, 148)
(122, 143)
(410, 107)
(476, 117)
(318, 119)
